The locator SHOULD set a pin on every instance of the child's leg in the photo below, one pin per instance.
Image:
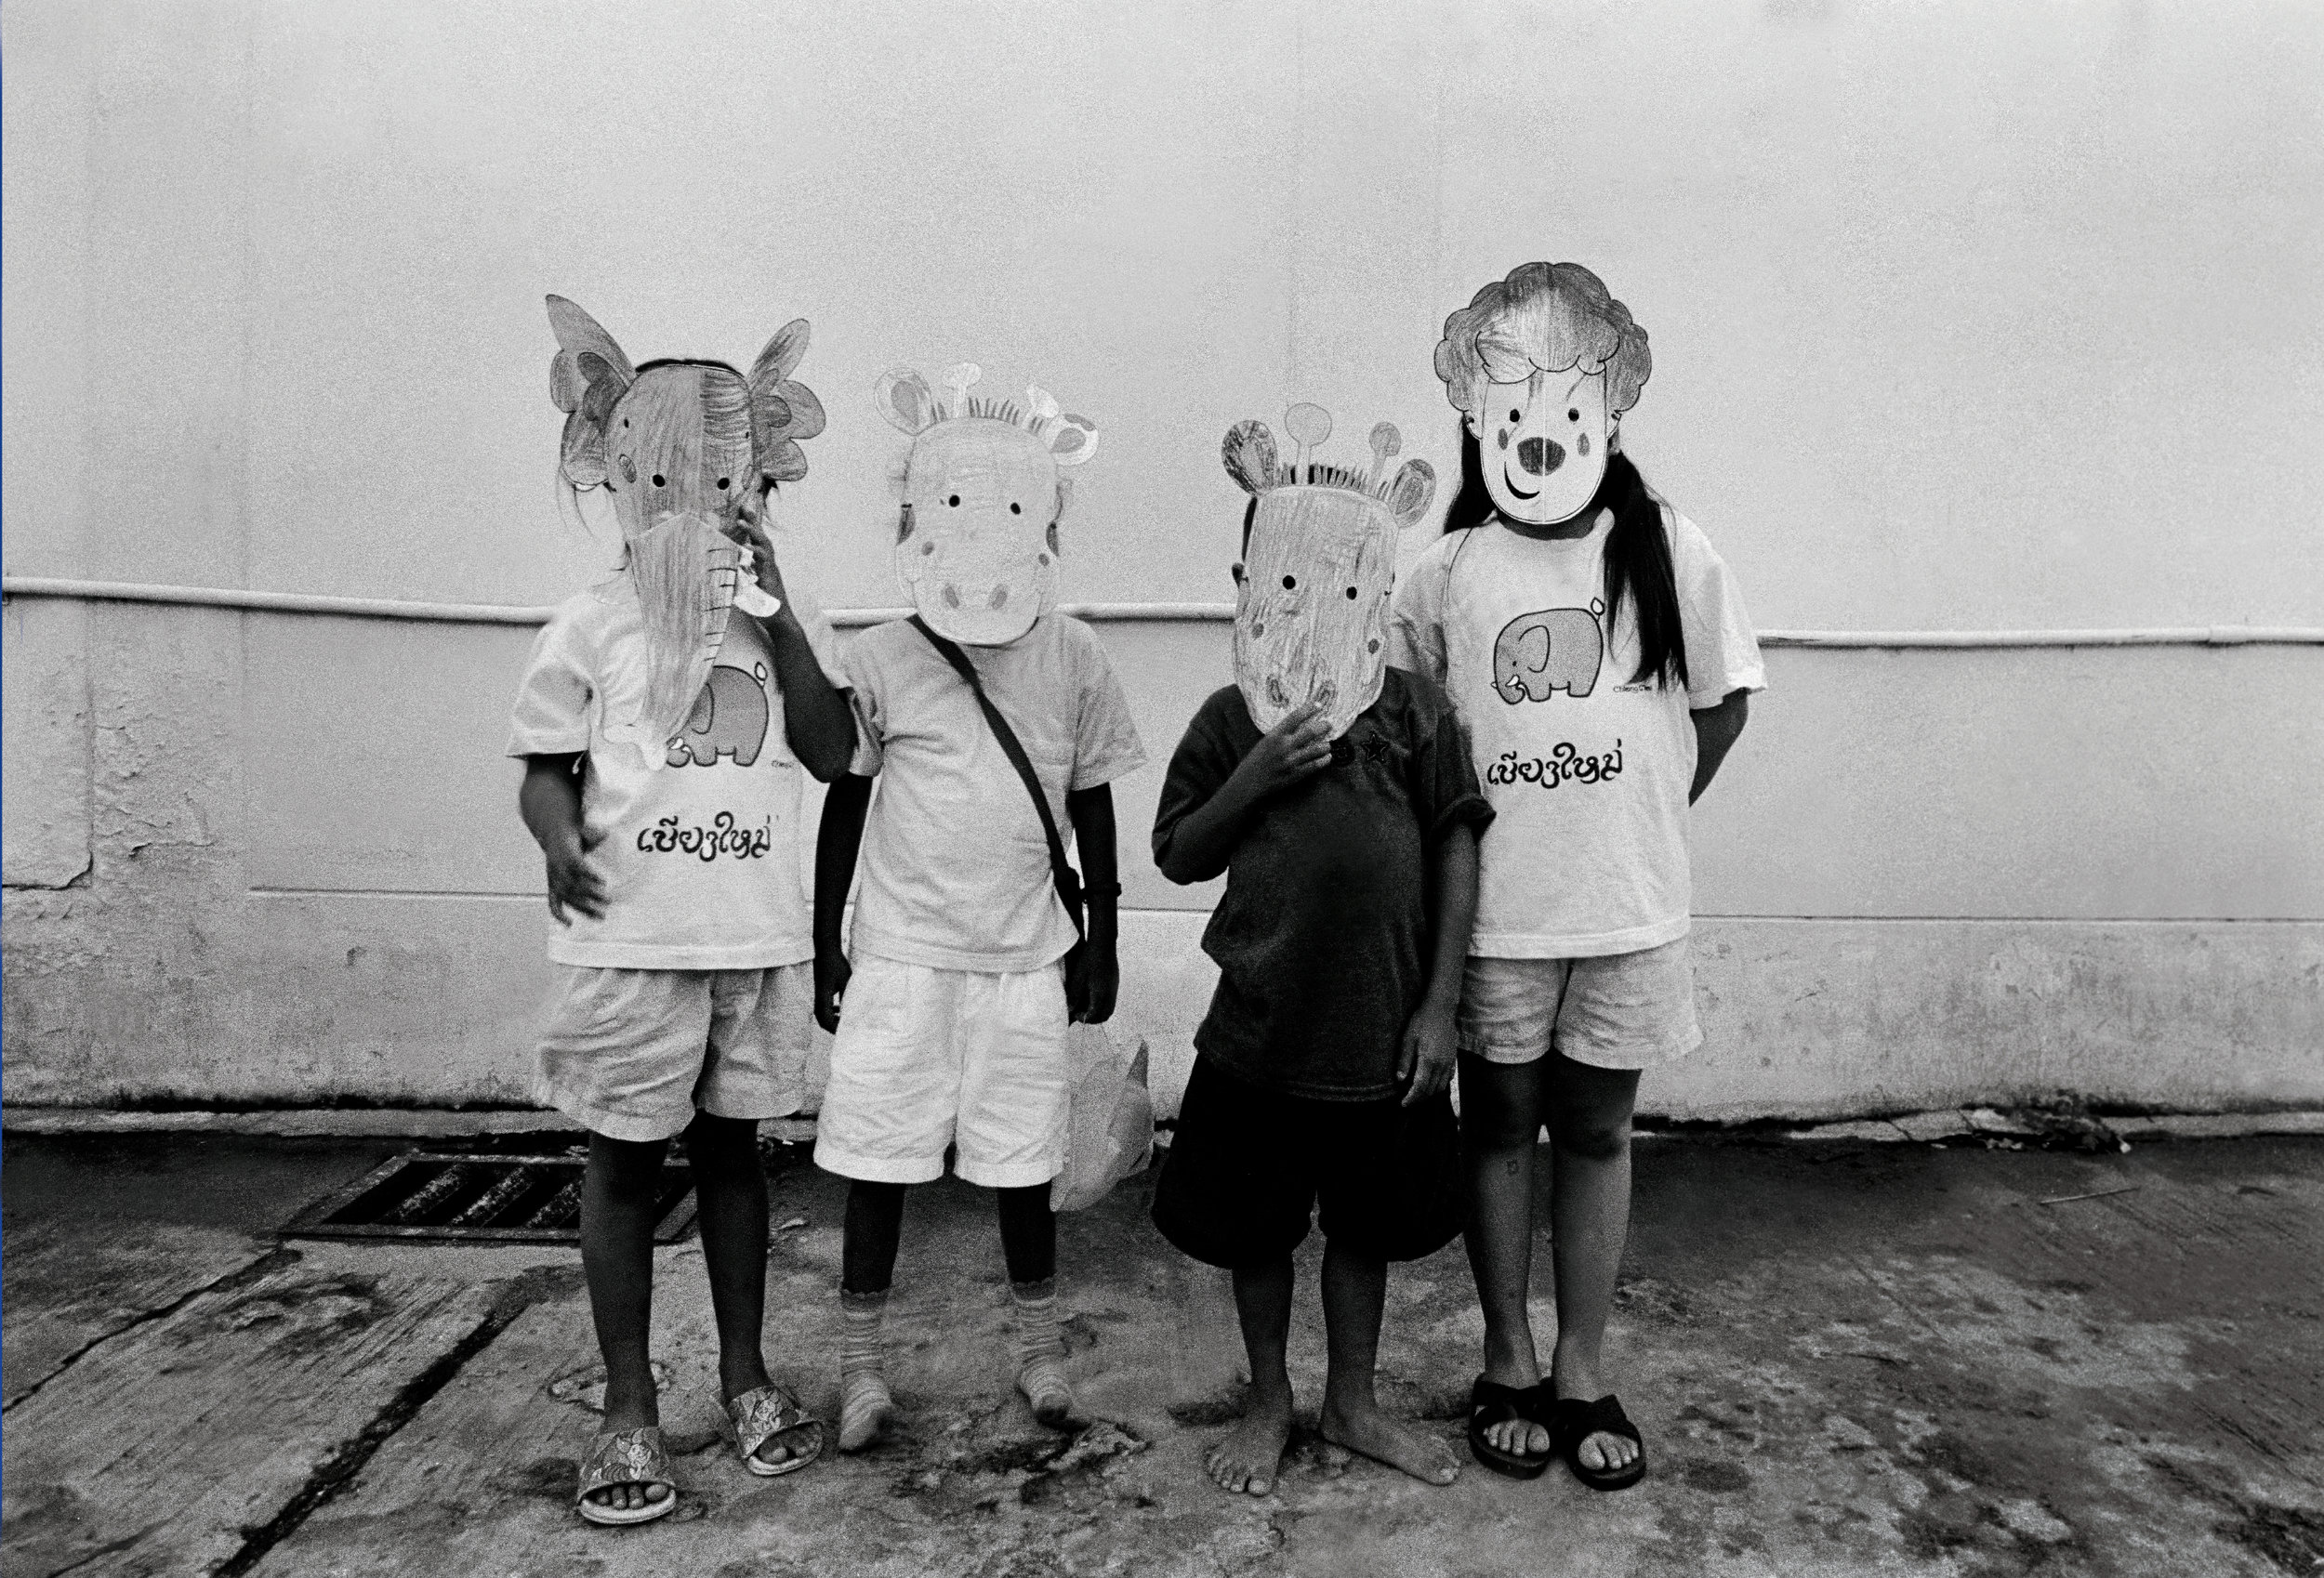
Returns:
(618, 1191)
(1248, 1459)
(1590, 1114)
(731, 1193)
(1028, 1243)
(1356, 1291)
(1501, 1117)
(867, 1265)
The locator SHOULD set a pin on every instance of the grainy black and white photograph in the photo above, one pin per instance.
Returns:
(1051, 788)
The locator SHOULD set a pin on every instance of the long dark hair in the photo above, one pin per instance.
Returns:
(1637, 556)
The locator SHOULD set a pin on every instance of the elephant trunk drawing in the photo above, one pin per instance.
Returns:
(1555, 648)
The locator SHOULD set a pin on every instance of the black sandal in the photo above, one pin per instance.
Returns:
(1491, 1404)
(1572, 1422)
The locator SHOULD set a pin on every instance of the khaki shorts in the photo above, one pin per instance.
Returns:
(929, 1058)
(1620, 1011)
(633, 1054)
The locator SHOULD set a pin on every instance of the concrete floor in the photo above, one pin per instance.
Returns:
(1847, 1358)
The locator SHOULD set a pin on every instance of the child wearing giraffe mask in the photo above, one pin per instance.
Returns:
(1596, 648)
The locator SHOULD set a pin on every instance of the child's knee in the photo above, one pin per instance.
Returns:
(1489, 1127)
(722, 1145)
(1592, 1137)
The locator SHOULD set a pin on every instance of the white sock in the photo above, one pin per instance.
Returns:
(865, 1404)
(1039, 1351)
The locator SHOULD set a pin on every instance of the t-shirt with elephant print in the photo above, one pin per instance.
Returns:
(1586, 768)
(700, 853)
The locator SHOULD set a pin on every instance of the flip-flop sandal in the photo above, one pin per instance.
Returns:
(1572, 1422)
(626, 1457)
(763, 1412)
(1491, 1404)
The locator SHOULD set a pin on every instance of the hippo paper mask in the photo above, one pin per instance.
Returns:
(684, 449)
(976, 548)
(1542, 365)
(1311, 607)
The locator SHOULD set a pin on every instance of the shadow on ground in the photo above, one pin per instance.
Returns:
(1846, 1359)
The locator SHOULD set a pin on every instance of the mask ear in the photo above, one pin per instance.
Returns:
(587, 378)
(1408, 495)
(1075, 440)
(903, 399)
(783, 411)
(1249, 451)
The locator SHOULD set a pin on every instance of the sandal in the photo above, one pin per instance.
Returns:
(1572, 1422)
(626, 1457)
(1491, 1404)
(763, 1412)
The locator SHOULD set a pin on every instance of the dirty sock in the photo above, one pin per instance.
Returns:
(865, 1404)
(1039, 1349)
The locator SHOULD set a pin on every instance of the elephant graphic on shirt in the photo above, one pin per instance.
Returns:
(729, 719)
(1555, 648)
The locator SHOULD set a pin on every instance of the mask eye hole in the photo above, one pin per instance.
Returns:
(1516, 416)
(1290, 583)
(657, 479)
(1016, 509)
(723, 482)
(1351, 594)
(1573, 416)
(954, 501)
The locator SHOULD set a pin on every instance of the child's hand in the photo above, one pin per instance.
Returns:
(1427, 1058)
(1101, 979)
(751, 531)
(832, 973)
(1295, 748)
(574, 884)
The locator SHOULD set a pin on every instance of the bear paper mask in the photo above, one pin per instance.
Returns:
(976, 548)
(684, 449)
(1311, 608)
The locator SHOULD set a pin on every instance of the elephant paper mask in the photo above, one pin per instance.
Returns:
(976, 548)
(684, 449)
(1311, 608)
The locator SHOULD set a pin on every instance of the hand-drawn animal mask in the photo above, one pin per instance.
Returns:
(1311, 605)
(976, 547)
(684, 449)
(1542, 365)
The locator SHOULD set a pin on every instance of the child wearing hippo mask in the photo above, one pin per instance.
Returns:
(663, 719)
(950, 1015)
(1597, 653)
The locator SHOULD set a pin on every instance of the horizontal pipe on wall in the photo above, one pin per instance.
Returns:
(492, 613)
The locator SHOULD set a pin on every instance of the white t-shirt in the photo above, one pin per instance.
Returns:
(701, 857)
(1586, 772)
(956, 870)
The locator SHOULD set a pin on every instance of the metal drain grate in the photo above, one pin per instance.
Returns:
(426, 1195)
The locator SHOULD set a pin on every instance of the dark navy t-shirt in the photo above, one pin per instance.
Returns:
(1322, 938)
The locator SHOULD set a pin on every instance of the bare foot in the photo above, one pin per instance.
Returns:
(1362, 1428)
(1248, 1460)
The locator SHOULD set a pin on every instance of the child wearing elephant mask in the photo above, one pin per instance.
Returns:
(1596, 649)
(663, 719)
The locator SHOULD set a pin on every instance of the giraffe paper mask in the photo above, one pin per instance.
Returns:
(1310, 606)
(684, 449)
(976, 547)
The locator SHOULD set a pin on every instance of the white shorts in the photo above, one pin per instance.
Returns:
(633, 1054)
(929, 1058)
(1617, 1011)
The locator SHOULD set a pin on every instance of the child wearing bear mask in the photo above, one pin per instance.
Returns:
(1597, 651)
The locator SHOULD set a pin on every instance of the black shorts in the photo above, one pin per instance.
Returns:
(1248, 1166)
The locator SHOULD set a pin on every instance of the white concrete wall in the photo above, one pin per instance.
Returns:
(1976, 316)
